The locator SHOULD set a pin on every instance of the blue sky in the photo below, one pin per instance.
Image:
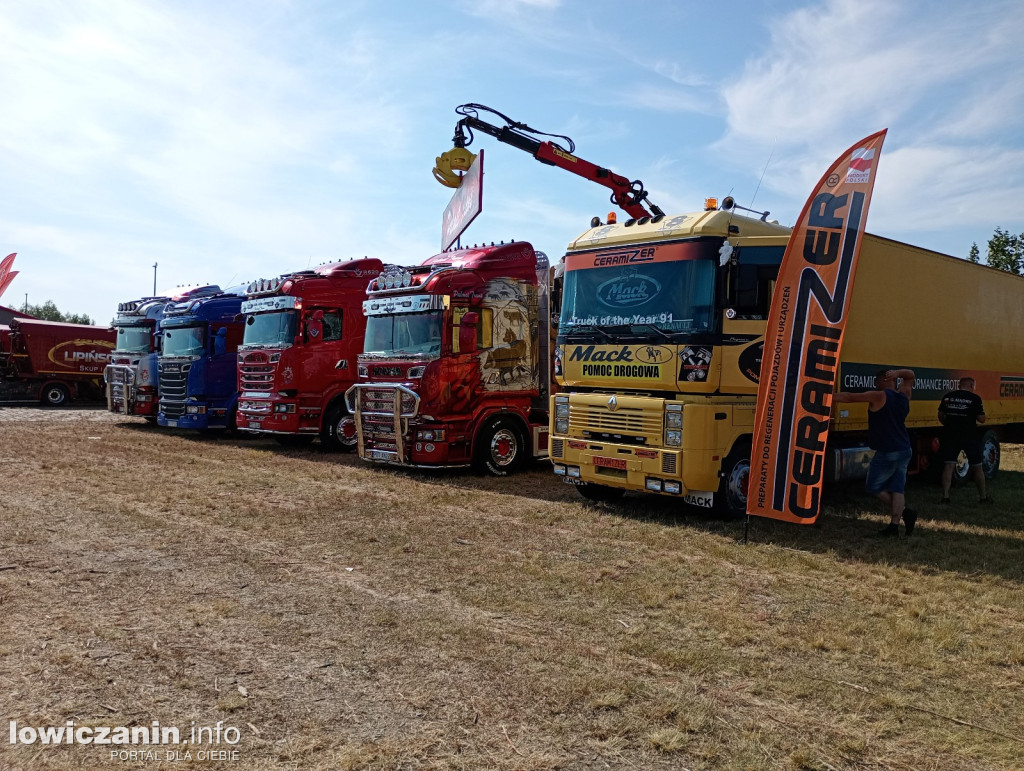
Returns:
(239, 139)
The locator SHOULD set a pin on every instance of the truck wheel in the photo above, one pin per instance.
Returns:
(990, 455)
(231, 428)
(732, 491)
(339, 430)
(600, 493)
(56, 395)
(500, 448)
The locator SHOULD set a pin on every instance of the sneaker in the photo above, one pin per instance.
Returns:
(891, 530)
(944, 501)
(909, 520)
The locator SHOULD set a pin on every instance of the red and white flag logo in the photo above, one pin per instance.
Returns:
(859, 171)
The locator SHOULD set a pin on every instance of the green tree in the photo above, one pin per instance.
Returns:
(1006, 251)
(49, 312)
(972, 256)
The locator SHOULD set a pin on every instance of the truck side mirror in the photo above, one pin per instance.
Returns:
(467, 332)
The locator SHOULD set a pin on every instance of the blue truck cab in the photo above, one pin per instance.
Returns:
(198, 363)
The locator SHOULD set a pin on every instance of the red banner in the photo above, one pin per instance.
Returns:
(6, 274)
(803, 339)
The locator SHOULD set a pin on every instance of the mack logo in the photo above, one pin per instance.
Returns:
(628, 290)
(653, 354)
(589, 354)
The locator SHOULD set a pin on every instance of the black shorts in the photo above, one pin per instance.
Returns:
(952, 445)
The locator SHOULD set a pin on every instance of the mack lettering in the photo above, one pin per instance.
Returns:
(590, 353)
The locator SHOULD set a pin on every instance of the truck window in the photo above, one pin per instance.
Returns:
(332, 325)
(754, 280)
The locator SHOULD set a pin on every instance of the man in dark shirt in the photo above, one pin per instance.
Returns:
(961, 412)
(888, 407)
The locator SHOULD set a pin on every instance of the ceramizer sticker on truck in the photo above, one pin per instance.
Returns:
(619, 463)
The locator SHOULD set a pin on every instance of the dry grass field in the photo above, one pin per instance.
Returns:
(332, 615)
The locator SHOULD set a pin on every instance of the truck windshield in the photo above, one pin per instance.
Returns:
(275, 328)
(404, 333)
(183, 341)
(672, 296)
(137, 338)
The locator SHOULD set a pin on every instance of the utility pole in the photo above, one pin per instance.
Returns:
(154, 278)
(26, 302)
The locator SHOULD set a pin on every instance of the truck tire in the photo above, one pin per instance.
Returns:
(55, 395)
(990, 454)
(339, 430)
(600, 493)
(731, 501)
(500, 448)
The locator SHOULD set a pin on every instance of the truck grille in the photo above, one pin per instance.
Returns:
(255, 372)
(623, 426)
(382, 413)
(173, 388)
(120, 378)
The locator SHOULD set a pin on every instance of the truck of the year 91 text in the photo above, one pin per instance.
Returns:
(198, 360)
(456, 363)
(51, 361)
(131, 376)
(303, 332)
(662, 334)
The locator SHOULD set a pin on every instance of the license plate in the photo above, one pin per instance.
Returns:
(254, 424)
(381, 455)
(619, 463)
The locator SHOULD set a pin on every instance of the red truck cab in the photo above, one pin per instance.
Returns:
(303, 332)
(456, 363)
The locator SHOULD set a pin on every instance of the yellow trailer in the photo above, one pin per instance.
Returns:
(662, 332)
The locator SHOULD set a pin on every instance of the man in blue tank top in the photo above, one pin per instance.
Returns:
(888, 407)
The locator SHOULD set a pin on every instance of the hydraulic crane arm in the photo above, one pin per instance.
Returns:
(629, 196)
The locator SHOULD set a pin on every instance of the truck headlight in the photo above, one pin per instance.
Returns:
(674, 438)
(562, 426)
(674, 419)
(280, 407)
(561, 409)
(559, 469)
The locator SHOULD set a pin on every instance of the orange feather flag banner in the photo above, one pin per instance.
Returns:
(803, 339)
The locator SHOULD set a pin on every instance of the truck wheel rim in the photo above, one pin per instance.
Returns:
(504, 447)
(990, 457)
(738, 480)
(347, 430)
